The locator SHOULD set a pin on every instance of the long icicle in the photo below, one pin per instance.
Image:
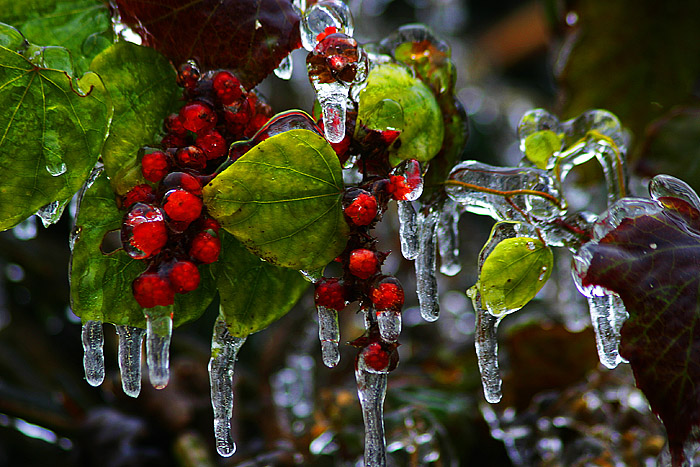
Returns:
(371, 390)
(93, 356)
(224, 352)
(486, 344)
(329, 335)
(130, 344)
(425, 265)
(159, 328)
(408, 229)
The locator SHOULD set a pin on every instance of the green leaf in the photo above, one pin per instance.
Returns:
(282, 200)
(101, 283)
(48, 124)
(142, 83)
(83, 27)
(513, 273)
(253, 292)
(540, 146)
(423, 127)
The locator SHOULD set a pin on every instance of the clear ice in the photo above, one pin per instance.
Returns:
(389, 322)
(486, 343)
(425, 265)
(224, 352)
(371, 390)
(51, 213)
(448, 237)
(130, 344)
(666, 185)
(285, 69)
(408, 226)
(159, 328)
(323, 14)
(93, 356)
(329, 335)
(332, 97)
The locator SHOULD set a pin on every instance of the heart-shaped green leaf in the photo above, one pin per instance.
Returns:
(540, 146)
(282, 200)
(253, 292)
(101, 283)
(52, 129)
(142, 83)
(513, 273)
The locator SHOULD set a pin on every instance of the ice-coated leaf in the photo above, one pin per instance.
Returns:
(81, 26)
(52, 129)
(513, 273)
(423, 129)
(101, 283)
(282, 200)
(251, 37)
(653, 262)
(254, 293)
(540, 146)
(142, 84)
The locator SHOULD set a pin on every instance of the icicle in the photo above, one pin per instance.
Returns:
(371, 390)
(130, 342)
(448, 238)
(607, 315)
(159, 328)
(408, 229)
(224, 352)
(389, 322)
(51, 213)
(425, 265)
(93, 357)
(486, 344)
(329, 335)
(332, 97)
(285, 68)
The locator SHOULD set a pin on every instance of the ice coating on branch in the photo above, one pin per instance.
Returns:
(389, 322)
(329, 335)
(408, 226)
(130, 343)
(448, 237)
(285, 69)
(159, 328)
(224, 352)
(371, 390)
(486, 343)
(93, 356)
(425, 265)
(321, 15)
(504, 193)
(665, 185)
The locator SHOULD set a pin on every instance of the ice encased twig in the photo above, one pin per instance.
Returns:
(130, 344)
(329, 335)
(93, 356)
(159, 328)
(425, 265)
(371, 390)
(224, 352)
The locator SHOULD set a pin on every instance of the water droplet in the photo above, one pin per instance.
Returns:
(93, 357)
(285, 69)
(543, 272)
(653, 246)
(51, 213)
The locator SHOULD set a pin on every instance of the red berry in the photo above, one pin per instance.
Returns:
(191, 157)
(326, 32)
(151, 290)
(212, 144)
(205, 248)
(256, 122)
(210, 224)
(397, 187)
(330, 293)
(375, 357)
(173, 125)
(139, 194)
(154, 166)
(182, 180)
(227, 87)
(184, 276)
(387, 294)
(143, 232)
(198, 117)
(363, 209)
(188, 75)
(171, 140)
(181, 205)
(363, 263)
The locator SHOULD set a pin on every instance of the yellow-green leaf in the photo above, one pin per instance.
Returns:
(541, 146)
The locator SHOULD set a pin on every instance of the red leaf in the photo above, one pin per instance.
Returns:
(653, 263)
(250, 37)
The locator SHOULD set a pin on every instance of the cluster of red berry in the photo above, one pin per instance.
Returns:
(166, 223)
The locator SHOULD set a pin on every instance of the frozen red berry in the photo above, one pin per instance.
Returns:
(210, 224)
(212, 144)
(143, 232)
(227, 87)
(154, 166)
(397, 187)
(330, 293)
(171, 140)
(198, 117)
(181, 205)
(205, 248)
(173, 125)
(184, 276)
(188, 75)
(326, 32)
(150, 289)
(182, 180)
(139, 194)
(387, 294)
(362, 209)
(375, 357)
(191, 157)
(363, 263)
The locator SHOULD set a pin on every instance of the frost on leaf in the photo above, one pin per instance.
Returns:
(651, 259)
